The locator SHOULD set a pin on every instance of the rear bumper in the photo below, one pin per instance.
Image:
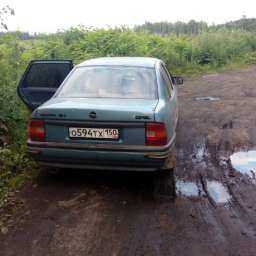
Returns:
(119, 166)
(100, 156)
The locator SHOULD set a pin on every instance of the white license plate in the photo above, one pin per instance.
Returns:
(93, 133)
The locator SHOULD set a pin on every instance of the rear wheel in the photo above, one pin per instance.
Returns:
(165, 181)
(165, 184)
(50, 170)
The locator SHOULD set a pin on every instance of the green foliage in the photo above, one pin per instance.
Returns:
(178, 28)
(183, 54)
(244, 24)
(15, 169)
(194, 28)
(221, 47)
(208, 50)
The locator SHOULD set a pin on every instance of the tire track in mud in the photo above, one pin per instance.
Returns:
(222, 137)
(224, 216)
(239, 210)
(117, 214)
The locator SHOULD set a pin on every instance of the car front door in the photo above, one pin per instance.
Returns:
(41, 80)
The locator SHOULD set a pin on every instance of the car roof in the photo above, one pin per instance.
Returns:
(122, 61)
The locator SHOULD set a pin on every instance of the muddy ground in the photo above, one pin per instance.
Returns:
(214, 212)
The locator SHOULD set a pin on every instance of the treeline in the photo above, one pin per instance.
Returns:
(243, 24)
(193, 27)
(21, 35)
(179, 28)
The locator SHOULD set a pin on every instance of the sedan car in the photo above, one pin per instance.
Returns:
(115, 113)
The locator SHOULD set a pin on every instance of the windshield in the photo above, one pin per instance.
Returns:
(110, 82)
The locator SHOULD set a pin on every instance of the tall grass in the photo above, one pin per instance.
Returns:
(182, 54)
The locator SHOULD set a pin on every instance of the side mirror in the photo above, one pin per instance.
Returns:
(177, 80)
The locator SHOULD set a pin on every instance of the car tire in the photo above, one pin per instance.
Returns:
(164, 180)
(50, 170)
(165, 184)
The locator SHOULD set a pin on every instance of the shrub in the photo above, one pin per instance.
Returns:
(182, 54)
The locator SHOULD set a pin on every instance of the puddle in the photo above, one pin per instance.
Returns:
(207, 98)
(245, 162)
(187, 188)
(215, 190)
(200, 153)
(218, 192)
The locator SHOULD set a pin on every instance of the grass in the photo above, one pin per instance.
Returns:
(208, 52)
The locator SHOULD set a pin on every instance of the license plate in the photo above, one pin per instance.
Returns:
(93, 133)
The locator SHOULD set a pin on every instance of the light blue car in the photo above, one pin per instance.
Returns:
(115, 113)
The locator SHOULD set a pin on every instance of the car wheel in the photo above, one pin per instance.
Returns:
(164, 180)
(50, 170)
(165, 184)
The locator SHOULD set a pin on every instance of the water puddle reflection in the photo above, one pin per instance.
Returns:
(216, 190)
(208, 98)
(200, 153)
(187, 188)
(245, 162)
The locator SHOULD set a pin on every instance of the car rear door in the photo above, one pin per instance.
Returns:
(172, 106)
(41, 80)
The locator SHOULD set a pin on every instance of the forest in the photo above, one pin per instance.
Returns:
(193, 27)
(188, 49)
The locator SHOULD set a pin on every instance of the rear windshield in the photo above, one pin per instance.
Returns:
(110, 82)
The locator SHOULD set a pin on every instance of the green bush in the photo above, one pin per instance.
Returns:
(182, 54)
(220, 48)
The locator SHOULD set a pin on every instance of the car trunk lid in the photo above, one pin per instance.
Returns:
(91, 109)
(126, 115)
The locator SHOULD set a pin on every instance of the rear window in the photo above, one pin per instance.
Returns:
(49, 75)
(110, 82)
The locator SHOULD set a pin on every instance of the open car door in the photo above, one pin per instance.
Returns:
(41, 80)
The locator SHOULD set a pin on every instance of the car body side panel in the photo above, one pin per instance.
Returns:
(167, 108)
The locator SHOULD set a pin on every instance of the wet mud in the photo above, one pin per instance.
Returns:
(115, 213)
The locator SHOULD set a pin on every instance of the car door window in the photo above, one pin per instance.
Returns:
(167, 81)
(41, 80)
(48, 75)
(169, 75)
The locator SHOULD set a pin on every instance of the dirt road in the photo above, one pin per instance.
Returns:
(117, 214)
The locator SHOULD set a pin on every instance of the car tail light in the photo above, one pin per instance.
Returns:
(156, 134)
(36, 130)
